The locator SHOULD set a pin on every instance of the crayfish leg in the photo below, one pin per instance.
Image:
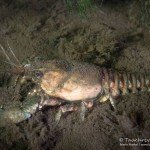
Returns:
(85, 105)
(104, 98)
(49, 101)
(63, 109)
(112, 101)
(58, 116)
(83, 111)
(109, 96)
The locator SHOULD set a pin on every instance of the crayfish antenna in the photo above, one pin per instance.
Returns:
(13, 53)
(7, 57)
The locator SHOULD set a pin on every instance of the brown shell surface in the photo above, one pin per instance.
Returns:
(77, 81)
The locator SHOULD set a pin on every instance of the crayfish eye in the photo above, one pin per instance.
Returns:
(39, 74)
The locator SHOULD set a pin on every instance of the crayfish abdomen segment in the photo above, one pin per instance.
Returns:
(123, 83)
